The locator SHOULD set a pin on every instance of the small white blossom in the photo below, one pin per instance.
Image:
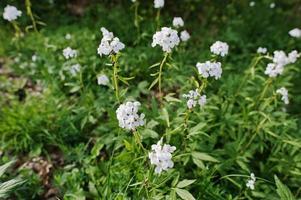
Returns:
(210, 69)
(184, 35)
(69, 53)
(293, 56)
(262, 50)
(167, 38)
(158, 3)
(296, 32)
(283, 91)
(252, 4)
(102, 79)
(177, 22)
(195, 98)
(34, 58)
(251, 182)
(280, 58)
(272, 5)
(74, 69)
(133, 1)
(109, 44)
(68, 36)
(128, 117)
(219, 48)
(11, 13)
(273, 70)
(161, 156)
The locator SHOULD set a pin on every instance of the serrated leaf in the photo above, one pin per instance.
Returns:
(185, 183)
(184, 194)
(283, 191)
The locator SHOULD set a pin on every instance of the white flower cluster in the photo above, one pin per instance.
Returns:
(161, 156)
(74, 69)
(195, 98)
(219, 48)
(251, 182)
(109, 44)
(11, 13)
(296, 32)
(128, 117)
(262, 50)
(184, 35)
(284, 93)
(272, 5)
(167, 38)
(177, 22)
(158, 3)
(69, 53)
(102, 79)
(280, 59)
(210, 69)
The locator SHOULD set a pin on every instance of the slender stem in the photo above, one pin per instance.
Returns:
(158, 18)
(29, 12)
(17, 29)
(160, 71)
(138, 139)
(136, 23)
(115, 76)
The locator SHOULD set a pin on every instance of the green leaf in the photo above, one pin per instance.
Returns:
(203, 156)
(184, 194)
(154, 65)
(4, 167)
(153, 83)
(127, 145)
(283, 191)
(148, 133)
(165, 116)
(185, 183)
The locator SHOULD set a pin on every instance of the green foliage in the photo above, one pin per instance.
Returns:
(71, 122)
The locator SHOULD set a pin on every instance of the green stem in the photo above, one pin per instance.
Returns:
(17, 29)
(115, 76)
(158, 18)
(160, 72)
(138, 140)
(29, 12)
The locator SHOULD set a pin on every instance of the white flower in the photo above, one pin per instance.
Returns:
(158, 3)
(109, 44)
(167, 38)
(102, 79)
(69, 53)
(133, 1)
(11, 13)
(262, 50)
(293, 56)
(251, 182)
(177, 22)
(184, 35)
(210, 69)
(252, 4)
(34, 58)
(68, 36)
(283, 91)
(161, 156)
(296, 32)
(273, 70)
(280, 58)
(195, 98)
(128, 117)
(272, 5)
(74, 69)
(219, 48)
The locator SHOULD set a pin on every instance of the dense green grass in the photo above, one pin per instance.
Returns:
(72, 123)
